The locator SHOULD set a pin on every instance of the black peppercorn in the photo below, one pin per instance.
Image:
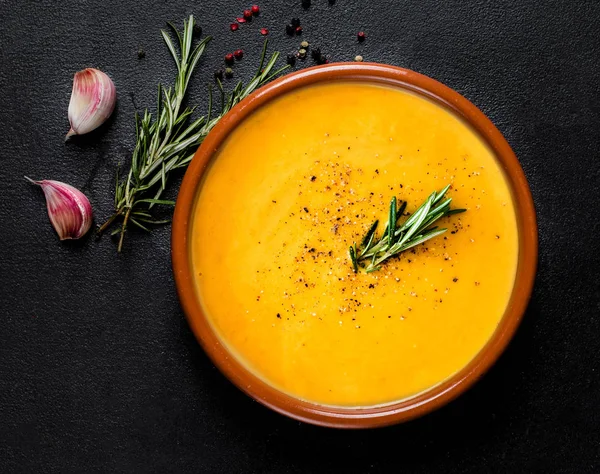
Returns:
(197, 30)
(290, 29)
(305, 3)
(141, 54)
(219, 74)
(295, 22)
(316, 53)
(291, 59)
(320, 59)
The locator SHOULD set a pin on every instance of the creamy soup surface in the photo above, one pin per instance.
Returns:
(300, 180)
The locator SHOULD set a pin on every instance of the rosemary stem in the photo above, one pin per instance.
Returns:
(123, 229)
(108, 222)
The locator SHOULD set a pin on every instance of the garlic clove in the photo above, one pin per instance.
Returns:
(92, 101)
(69, 210)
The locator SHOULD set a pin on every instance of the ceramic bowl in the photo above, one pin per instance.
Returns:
(421, 403)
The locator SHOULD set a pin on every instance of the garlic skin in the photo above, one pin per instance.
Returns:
(69, 210)
(92, 101)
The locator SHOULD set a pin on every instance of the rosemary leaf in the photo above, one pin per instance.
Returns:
(156, 201)
(455, 211)
(352, 253)
(368, 238)
(154, 221)
(441, 194)
(392, 222)
(141, 226)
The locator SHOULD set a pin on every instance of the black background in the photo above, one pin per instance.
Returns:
(99, 371)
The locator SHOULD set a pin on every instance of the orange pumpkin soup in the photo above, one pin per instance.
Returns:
(294, 186)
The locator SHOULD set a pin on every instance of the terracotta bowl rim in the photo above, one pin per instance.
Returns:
(422, 403)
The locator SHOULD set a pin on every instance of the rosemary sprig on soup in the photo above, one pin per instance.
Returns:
(396, 238)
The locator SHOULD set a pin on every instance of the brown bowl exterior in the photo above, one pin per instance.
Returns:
(341, 417)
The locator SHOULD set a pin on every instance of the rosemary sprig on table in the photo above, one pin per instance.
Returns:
(168, 141)
(397, 238)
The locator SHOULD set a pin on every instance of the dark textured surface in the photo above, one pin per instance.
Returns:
(99, 371)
